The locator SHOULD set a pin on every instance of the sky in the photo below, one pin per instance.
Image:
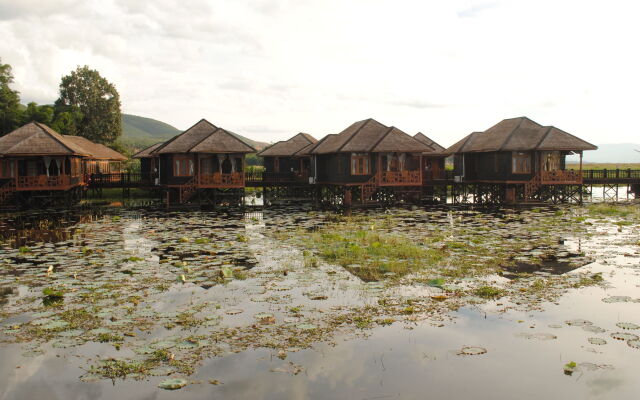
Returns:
(268, 69)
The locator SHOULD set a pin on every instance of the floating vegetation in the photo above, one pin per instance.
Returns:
(472, 350)
(173, 384)
(537, 336)
(578, 322)
(569, 367)
(171, 290)
(635, 344)
(617, 299)
(624, 336)
(597, 341)
(627, 325)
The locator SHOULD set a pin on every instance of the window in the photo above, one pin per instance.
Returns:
(276, 164)
(551, 160)
(8, 169)
(182, 167)
(521, 163)
(340, 165)
(360, 165)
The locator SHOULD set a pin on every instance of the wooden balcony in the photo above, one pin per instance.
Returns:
(220, 180)
(44, 182)
(399, 178)
(560, 177)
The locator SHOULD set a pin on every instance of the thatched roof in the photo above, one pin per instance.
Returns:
(435, 147)
(519, 134)
(289, 148)
(96, 151)
(204, 137)
(146, 153)
(35, 139)
(368, 136)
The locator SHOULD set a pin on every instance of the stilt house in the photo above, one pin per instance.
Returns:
(518, 153)
(287, 161)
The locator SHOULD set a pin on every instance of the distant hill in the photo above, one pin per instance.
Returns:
(611, 153)
(141, 132)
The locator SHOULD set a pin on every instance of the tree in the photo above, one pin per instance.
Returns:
(34, 112)
(84, 92)
(9, 101)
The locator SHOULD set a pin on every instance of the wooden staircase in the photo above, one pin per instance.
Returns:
(532, 187)
(7, 192)
(368, 190)
(187, 191)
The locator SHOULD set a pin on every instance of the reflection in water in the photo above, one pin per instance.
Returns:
(408, 359)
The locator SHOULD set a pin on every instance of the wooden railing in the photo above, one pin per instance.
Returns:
(121, 179)
(399, 178)
(43, 182)
(564, 176)
(445, 174)
(276, 177)
(219, 179)
(613, 174)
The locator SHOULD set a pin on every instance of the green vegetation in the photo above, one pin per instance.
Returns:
(97, 100)
(608, 210)
(489, 292)
(371, 255)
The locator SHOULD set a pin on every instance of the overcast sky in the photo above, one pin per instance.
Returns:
(271, 68)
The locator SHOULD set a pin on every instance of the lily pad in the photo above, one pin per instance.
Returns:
(624, 336)
(627, 325)
(578, 322)
(597, 341)
(306, 327)
(173, 384)
(472, 350)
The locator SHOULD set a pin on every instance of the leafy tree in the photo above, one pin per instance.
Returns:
(37, 113)
(96, 99)
(9, 101)
(66, 120)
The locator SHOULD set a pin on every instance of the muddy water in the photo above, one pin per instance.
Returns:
(512, 347)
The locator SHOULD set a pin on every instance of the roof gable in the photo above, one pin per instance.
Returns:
(95, 150)
(435, 147)
(37, 139)
(289, 147)
(519, 134)
(187, 139)
(146, 153)
(221, 141)
(396, 140)
(368, 136)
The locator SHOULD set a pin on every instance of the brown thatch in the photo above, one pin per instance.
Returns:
(96, 151)
(204, 137)
(34, 139)
(519, 134)
(368, 136)
(146, 153)
(289, 148)
(435, 147)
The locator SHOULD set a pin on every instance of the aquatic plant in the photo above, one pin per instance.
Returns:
(489, 292)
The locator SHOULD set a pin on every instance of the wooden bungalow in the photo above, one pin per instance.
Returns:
(432, 161)
(286, 161)
(101, 159)
(521, 156)
(202, 159)
(149, 163)
(368, 157)
(35, 159)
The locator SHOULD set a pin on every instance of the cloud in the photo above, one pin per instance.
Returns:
(416, 104)
(475, 10)
(317, 66)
